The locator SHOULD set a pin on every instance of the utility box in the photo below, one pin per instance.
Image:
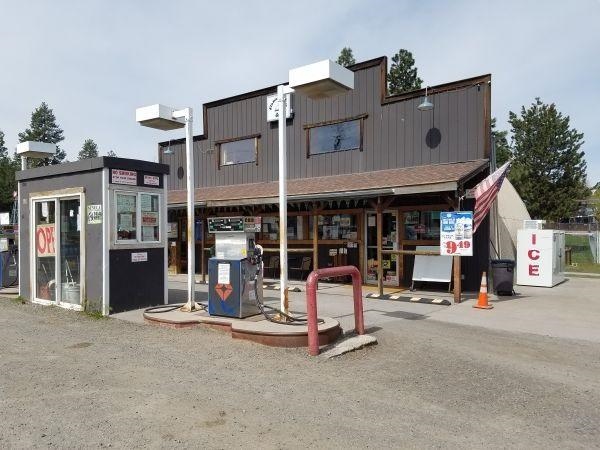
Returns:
(540, 257)
(93, 234)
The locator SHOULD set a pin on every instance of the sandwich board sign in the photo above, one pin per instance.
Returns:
(456, 233)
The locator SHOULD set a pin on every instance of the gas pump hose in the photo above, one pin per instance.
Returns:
(171, 307)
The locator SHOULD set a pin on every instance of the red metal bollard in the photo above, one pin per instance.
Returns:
(311, 302)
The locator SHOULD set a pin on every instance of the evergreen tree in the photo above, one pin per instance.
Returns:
(43, 128)
(403, 73)
(111, 153)
(7, 177)
(89, 150)
(346, 57)
(503, 151)
(549, 169)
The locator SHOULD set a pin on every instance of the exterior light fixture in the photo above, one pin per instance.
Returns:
(163, 117)
(319, 80)
(168, 150)
(426, 105)
(34, 149)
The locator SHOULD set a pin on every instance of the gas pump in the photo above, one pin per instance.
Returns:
(235, 278)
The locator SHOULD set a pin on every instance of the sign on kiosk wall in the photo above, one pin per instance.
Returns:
(456, 233)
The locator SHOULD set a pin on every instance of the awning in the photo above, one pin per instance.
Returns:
(406, 180)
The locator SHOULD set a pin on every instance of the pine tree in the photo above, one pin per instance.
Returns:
(549, 169)
(111, 153)
(503, 151)
(43, 128)
(346, 57)
(7, 177)
(89, 150)
(403, 73)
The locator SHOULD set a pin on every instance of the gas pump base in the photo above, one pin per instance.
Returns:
(256, 328)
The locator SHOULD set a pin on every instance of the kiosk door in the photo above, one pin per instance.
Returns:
(57, 261)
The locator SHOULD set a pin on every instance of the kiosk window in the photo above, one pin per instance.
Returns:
(126, 217)
(149, 211)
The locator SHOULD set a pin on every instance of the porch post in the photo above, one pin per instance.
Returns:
(379, 246)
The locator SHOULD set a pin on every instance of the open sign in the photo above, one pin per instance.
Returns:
(44, 240)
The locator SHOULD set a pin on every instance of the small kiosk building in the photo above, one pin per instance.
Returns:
(93, 234)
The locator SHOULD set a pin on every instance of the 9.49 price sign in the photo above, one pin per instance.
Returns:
(456, 233)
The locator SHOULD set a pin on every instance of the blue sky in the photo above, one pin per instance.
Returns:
(94, 62)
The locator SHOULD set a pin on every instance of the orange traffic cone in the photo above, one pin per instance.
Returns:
(482, 301)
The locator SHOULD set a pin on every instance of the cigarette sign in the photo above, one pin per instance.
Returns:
(44, 240)
(120, 176)
(94, 213)
(149, 219)
(151, 180)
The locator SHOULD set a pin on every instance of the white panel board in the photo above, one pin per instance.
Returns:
(435, 268)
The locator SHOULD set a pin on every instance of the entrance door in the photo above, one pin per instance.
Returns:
(389, 242)
(70, 251)
(44, 229)
(57, 267)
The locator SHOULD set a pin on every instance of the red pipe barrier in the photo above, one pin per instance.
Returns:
(311, 302)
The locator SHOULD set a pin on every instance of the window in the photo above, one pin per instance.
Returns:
(126, 217)
(422, 225)
(337, 137)
(138, 217)
(149, 211)
(238, 152)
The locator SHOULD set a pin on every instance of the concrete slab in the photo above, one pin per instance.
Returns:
(348, 344)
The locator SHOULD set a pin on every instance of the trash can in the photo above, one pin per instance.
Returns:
(503, 274)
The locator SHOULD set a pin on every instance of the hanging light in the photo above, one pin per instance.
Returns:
(169, 150)
(426, 105)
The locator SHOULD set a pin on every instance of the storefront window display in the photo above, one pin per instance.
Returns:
(335, 227)
(270, 228)
(422, 225)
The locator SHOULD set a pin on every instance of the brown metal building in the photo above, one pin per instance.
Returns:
(368, 174)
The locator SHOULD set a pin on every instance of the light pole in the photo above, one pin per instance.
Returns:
(166, 118)
(320, 80)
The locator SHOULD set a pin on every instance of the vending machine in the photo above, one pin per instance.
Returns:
(540, 257)
(235, 272)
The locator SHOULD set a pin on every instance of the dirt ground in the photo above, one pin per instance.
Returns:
(68, 380)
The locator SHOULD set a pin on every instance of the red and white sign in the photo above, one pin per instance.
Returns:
(539, 257)
(149, 219)
(120, 176)
(151, 180)
(45, 240)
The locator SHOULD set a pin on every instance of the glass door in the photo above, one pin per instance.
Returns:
(389, 242)
(70, 251)
(45, 250)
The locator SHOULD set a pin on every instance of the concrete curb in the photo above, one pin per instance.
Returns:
(348, 344)
(400, 298)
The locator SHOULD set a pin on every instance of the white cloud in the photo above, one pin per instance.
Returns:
(94, 62)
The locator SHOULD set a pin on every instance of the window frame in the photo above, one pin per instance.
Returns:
(220, 143)
(138, 241)
(307, 128)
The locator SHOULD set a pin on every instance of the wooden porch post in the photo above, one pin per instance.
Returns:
(379, 246)
(202, 264)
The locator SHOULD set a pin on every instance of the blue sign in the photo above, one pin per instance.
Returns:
(456, 233)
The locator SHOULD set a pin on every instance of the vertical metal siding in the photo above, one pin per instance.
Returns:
(393, 134)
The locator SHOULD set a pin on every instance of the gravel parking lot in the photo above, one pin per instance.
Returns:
(68, 380)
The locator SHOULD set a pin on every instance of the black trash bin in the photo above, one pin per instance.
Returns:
(503, 274)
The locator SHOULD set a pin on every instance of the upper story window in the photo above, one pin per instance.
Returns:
(335, 137)
(240, 151)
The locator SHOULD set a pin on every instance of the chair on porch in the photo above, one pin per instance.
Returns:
(273, 266)
(304, 267)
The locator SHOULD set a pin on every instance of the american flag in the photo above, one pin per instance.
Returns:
(485, 194)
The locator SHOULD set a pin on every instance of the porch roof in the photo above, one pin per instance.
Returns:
(405, 180)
